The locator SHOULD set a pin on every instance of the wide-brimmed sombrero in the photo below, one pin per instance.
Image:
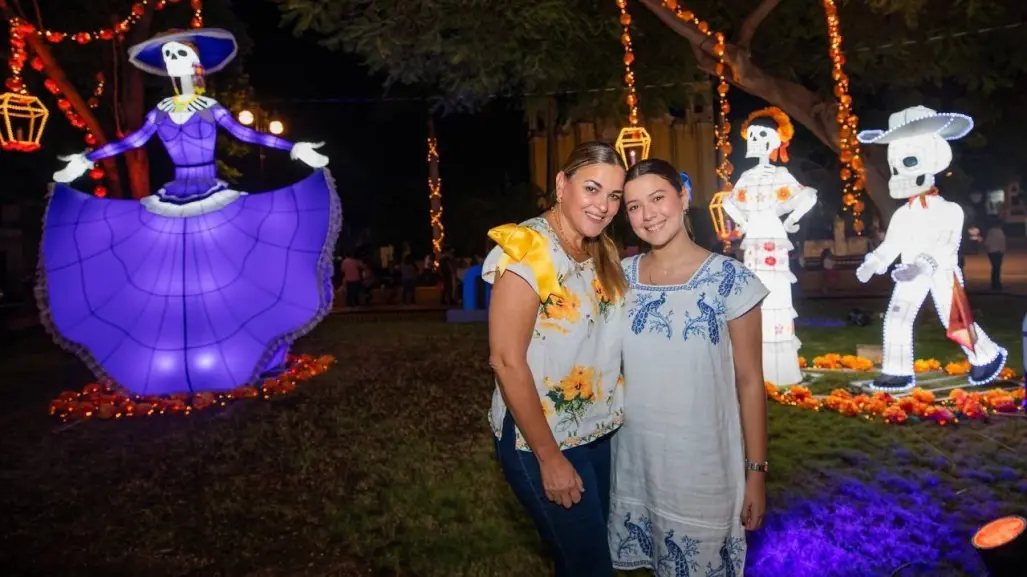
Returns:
(919, 120)
(217, 48)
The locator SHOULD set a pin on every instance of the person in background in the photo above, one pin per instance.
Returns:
(408, 279)
(555, 349)
(995, 244)
(691, 459)
(367, 280)
(830, 269)
(352, 279)
(447, 277)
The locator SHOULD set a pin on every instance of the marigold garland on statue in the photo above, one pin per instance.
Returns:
(104, 401)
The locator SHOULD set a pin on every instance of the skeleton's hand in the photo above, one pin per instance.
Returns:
(869, 267)
(306, 152)
(791, 227)
(906, 272)
(76, 166)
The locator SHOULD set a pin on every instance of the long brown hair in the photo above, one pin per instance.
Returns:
(601, 249)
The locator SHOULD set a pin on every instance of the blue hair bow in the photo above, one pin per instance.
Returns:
(687, 181)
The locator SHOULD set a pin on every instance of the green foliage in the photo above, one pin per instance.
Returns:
(468, 50)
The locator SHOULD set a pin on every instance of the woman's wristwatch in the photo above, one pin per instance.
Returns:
(757, 467)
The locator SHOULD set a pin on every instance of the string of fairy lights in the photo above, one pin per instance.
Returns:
(852, 172)
(20, 105)
(435, 201)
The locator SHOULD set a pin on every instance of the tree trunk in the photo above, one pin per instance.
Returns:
(817, 114)
(54, 71)
(133, 111)
(435, 191)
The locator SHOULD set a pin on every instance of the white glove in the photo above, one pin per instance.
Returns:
(907, 272)
(868, 269)
(306, 152)
(791, 227)
(76, 166)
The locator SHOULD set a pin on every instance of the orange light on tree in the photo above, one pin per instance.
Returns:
(722, 132)
(852, 172)
(435, 199)
(24, 117)
(633, 141)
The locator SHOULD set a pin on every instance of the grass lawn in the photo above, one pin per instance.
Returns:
(384, 467)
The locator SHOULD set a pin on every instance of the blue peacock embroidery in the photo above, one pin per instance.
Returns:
(730, 280)
(732, 559)
(678, 556)
(708, 323)
(639, 540)
(647, 313)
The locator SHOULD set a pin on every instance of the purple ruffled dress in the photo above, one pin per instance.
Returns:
(198, 287)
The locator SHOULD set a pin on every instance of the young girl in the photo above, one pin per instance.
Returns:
(690, 460)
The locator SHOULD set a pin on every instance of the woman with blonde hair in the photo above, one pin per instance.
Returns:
(555, 350)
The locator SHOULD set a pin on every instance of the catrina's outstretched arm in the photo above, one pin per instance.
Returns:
(225, 120)
(131, 141)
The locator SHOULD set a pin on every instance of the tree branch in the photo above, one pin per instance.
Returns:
(54, 71)
(805, 107)
(753, 21)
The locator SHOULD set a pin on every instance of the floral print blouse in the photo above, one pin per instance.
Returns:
(575, 352)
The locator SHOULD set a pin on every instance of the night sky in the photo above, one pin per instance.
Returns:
(378, 149)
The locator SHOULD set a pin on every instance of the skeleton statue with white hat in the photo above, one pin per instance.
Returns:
(925, 233)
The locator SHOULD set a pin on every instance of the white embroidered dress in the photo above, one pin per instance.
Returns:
(679, 461)
(574, 354)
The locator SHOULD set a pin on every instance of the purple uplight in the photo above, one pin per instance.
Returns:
(858, 529)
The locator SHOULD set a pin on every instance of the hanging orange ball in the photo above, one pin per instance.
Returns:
(96, 173)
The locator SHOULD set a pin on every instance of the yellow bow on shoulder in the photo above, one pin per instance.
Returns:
(530, 248)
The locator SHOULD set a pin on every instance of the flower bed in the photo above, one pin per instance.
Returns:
(837, 362)
(105, 401)
(920, 405)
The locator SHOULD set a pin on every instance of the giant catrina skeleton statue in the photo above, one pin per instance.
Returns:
(199, 286)
(924, 233)
(762, 195)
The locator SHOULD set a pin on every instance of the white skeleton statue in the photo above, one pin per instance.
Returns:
(924, 233)
(763, 195)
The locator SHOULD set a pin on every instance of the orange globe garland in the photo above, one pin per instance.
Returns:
(722, 133)
(853, 171)
(105, 401)
(633, 142)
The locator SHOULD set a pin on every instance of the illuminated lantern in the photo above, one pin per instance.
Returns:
(633, 144)
(1002, 545)
(257, 268)
(722, 225)
(24, 118)
(924, 234)
(762, 195)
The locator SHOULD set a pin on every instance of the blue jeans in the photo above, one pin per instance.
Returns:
(576, 537)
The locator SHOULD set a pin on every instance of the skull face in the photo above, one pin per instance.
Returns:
(760, 141)
(179, 60)
(914, 161)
